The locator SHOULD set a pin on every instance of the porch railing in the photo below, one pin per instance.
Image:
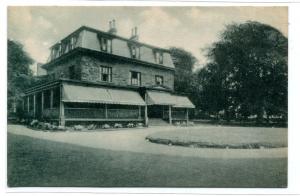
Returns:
(123, 113)
(175, 114)
(84, 113)
(51, 113)
(178, 115)
(101, 114)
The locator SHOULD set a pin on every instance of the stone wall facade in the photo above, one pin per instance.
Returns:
(87, 68)
(61, 70)
(90, 71)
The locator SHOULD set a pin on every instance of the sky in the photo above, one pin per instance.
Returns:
(191, 28)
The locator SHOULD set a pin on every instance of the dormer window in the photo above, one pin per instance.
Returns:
(105, 44)
(135, 52)
(159, 58)
(64, 47)
(73, 42)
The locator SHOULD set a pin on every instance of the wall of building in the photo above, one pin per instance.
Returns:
(61, 70)
(90, 71)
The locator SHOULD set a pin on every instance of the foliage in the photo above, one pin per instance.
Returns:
(247, 72)
(19, 74)
(184, 63)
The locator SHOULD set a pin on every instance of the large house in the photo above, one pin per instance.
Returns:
(100, 76)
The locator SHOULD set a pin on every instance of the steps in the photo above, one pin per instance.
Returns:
(158, 122)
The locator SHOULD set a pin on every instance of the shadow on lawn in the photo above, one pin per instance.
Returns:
(42, 163)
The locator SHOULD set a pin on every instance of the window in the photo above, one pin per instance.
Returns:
(135, 78)
(159, 80)
(135, 52)
(47, 98)
(55, 52)
(73, 42)
(72, 72)
(31, 102)
(106, 74)
(105, 44)
(159, 57)
(56, 97)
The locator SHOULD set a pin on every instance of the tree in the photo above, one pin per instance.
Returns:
(248, 68)
(19, 74)
(184, 63)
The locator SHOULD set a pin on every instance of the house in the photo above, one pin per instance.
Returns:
(102, 77)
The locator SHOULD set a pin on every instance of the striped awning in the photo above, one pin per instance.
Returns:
(165, 98)
(86, 94)
(183, 102)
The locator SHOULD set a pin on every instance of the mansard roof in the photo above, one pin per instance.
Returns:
(88, 38)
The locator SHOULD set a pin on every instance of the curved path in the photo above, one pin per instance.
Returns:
(133, 140)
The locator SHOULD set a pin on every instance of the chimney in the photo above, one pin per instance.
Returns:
(134, 34)
(112, 27)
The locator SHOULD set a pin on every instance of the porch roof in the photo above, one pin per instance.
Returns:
(87, 94)
(165, 98)
(183, 102)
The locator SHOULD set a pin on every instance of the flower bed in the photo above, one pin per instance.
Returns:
(223, 137)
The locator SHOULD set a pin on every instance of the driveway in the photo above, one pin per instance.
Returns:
(133, 140)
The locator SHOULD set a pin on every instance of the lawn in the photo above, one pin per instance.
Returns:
(223, 137)
(35, 162)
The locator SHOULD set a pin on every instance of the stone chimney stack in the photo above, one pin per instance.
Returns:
(134, 34)
(112, 27)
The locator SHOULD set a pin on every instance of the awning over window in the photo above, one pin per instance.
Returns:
(165, 98)
(84, 94)
(159, 98)
(183, 102)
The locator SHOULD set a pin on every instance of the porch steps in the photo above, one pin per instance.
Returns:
(158, 122)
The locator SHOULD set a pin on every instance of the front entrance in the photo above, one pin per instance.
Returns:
(155, 111)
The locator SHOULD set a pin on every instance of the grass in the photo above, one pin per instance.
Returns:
(223, 137)
(42, 163)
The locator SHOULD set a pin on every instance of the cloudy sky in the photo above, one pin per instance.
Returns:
(191, 28)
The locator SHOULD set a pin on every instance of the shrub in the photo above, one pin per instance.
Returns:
(78, 127)
(140, 125)
(105, 126)
(91, 127)
(47, 126)
(61, 128)
(190, 123)
(118, 125)
(130, 125)
(177, 123)
(34, 123)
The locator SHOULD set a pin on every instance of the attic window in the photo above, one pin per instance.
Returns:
(105, 44)
(135, 52)
(159, 57)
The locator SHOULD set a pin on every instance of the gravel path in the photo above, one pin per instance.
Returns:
(133, 140)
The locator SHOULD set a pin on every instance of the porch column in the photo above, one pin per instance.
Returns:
(146, 116)
(106, 114)
(42, 104)
(23, 102)
(28, 108)
(139, 112)
(187, 116)
(61, 107)
(170, 114)
(34, 105)
(51, 98)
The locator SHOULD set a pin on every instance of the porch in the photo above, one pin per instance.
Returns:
(66, 102)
